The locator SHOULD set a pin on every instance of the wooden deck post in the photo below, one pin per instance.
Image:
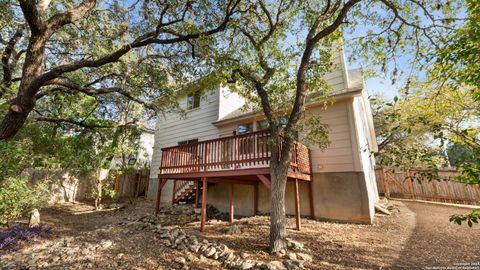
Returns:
(297, 205)
(204, 203)
(255, 198)
(197, 192)
(312, 203)
(173, 191)
(231, 203)
(161, 183)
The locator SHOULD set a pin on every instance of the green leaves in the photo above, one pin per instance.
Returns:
(470, 219)
(17, 197)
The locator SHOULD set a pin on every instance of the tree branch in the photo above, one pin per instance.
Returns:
(6, 56)
(70, 87)
(141, 41)
(32, 17)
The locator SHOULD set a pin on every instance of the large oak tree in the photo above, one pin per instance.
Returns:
(280, 50)
(75, 47)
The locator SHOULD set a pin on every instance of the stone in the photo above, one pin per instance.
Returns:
(383, 200)
(294, 244)
(181, 247)
(203, 248)
(106, 243)
(229, 256)
(243, 255)
(190, 257)
(34, 219)
(292, 256)
(194, 248)
(234, 229)
(276, 265)
(165, 235)
(304, 257)
(210, 252)
(180, 260)
(166, 242)
(382, 209)
(292, 264)
(247, 264)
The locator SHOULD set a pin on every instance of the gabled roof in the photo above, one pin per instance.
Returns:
(355, 83)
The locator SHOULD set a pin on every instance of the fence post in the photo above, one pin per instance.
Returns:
(478, 193)
(386, 189)
(412, 191)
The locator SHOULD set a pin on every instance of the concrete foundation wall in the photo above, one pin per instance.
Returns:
(337, 197)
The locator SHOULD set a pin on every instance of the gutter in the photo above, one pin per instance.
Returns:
(347, 93)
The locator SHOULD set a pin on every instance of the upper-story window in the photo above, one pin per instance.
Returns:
(244, 128)
(188, 142)
(193, 100)
(283, 120)
(263, 124)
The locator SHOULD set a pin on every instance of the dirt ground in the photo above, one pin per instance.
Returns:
(418, 236)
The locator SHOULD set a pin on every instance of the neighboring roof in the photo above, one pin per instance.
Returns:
(355, 81)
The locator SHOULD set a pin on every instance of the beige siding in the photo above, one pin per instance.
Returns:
(338, 156)
(365, 145)
(197, 124)
(229, 102)
(337, 77)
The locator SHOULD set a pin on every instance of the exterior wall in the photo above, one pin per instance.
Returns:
(173, 128)
(228, 102)
(243, 198)
(343, 181)
(339, 155)
(339, 196)
(338, 77)
(344, 187)
(367, 144)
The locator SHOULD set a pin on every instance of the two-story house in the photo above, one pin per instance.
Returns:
(222, 148)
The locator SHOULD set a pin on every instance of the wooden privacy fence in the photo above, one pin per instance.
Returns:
(400, 185)
(132, 185)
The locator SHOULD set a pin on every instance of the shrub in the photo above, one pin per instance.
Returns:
(18, 197)
(17, 232)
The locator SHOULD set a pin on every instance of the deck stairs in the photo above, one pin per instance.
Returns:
(184, 191)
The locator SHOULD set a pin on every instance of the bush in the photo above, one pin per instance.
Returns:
(17, 232)
(17, 197)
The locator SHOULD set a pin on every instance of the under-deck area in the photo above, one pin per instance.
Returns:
(235, 160)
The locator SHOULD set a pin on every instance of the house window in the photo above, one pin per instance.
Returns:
(261, 125)
(193, 100)
(283, 120)
(244, 128)
(188, 142)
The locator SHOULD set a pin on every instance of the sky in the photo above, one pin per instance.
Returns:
(378, 85)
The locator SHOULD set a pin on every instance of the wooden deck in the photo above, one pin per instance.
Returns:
(240, 155)
(239, 159)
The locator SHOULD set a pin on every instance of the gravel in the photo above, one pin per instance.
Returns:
(416, 235)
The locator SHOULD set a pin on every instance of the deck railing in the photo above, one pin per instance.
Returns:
(250, 150)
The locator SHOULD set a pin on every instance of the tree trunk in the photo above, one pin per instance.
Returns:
(278, 233)
(24, 102)
(279, 163)
(11, 124)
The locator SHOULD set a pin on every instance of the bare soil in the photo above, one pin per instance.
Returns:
(416, 236)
